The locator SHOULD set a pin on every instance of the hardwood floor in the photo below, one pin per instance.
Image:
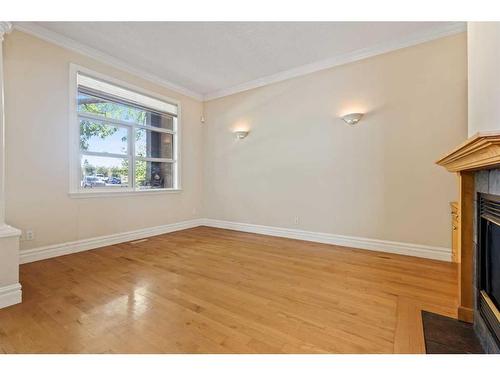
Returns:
(207, 290)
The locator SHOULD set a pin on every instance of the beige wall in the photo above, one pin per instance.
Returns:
(377, 179)
(37, 166)
(483, 44)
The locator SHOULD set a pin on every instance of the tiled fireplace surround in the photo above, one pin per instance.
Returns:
(485, 181)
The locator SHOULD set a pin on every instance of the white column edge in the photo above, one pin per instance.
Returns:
(5, 27)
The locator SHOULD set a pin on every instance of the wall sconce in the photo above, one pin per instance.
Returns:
(240, 134)
(352, 118)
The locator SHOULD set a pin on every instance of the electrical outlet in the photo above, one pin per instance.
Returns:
(296, 220)
(30, 235)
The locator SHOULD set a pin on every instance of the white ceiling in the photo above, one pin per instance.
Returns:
(216, 58)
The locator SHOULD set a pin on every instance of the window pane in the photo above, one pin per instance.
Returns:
(103, 172)
(154, 175)
(164, 122)
(122, 111)
(95, 136)
(151, 144)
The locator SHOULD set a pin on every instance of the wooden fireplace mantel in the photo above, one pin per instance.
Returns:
(482, 151)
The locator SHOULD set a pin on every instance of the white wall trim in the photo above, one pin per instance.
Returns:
(8, 231)
(45, 252)
(422, 251)
(68, 43)
(360, 54)
(10, 295)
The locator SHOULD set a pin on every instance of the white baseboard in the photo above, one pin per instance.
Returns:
(422, 251)
(45, 252)
(10, 295)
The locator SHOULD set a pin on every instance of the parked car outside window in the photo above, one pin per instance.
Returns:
(92, 181)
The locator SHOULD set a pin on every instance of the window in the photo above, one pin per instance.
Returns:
(127, 140)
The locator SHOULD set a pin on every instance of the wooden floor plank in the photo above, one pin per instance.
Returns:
(207, 290)
(409, 335)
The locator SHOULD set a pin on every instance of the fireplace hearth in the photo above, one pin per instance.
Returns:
(488, 262)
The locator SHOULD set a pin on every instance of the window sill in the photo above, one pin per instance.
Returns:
(113, 194)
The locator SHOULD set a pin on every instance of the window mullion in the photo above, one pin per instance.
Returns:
(155, 129)
(103, 154)
(131, 157)
(105, 120)
(175, 168)
(157, 160)
(127, 124)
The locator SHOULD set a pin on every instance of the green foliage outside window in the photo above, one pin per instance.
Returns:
(90, 128)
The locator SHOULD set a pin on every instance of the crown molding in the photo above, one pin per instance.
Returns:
(65, 42)
(68, 43)
(360, 54)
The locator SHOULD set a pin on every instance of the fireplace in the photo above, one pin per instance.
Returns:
(488, 262)
(477, 162)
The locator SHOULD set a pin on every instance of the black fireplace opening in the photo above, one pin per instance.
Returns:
(488, 262)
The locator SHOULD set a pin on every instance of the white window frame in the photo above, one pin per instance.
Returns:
(75, 189)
